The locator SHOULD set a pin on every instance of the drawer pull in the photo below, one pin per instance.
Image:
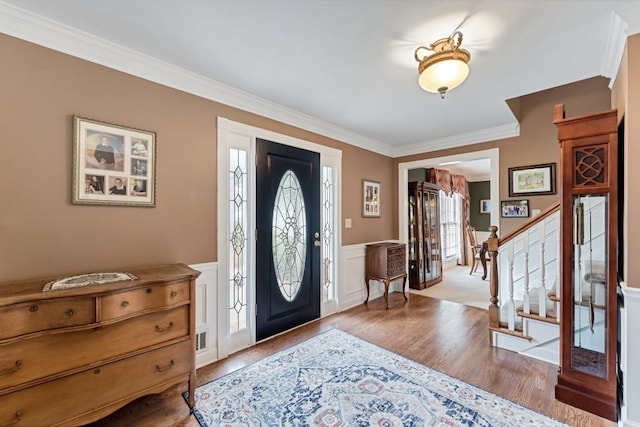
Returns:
(13, 369)
(15, 420)
(96, 371)
(149, 290)
(33, 308)
(165, 368)
(68, 313)
(124, 304)
(168, 328)
(174, 294)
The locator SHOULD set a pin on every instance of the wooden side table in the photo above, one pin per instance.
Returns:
(386, 262)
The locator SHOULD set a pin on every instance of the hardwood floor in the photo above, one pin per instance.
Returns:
(446, 336)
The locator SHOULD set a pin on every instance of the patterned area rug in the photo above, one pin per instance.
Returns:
(335, 379)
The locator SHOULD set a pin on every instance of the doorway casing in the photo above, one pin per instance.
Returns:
(233, 135)
(492, 154)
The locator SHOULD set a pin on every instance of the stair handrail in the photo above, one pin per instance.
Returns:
(530, 223)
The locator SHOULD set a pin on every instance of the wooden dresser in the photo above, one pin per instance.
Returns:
(386, 262)
(72, 356)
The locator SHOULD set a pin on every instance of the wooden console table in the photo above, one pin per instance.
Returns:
(386, 262)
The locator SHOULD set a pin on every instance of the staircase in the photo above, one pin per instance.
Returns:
(525, 307)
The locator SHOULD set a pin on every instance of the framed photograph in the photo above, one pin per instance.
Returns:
(485, 206)
(112, 164)
(370, 198)
(514, 208)
(536, 180)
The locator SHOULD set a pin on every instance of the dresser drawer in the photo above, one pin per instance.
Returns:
(123, 304)
(28, 360)
(43, 315)
(73, 396)
(397, 251)
(396, 267)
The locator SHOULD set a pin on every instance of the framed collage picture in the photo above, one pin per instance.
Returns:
(370, 198)
(113, 164)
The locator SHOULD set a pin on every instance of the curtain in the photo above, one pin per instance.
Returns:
(442, 178)
(450, 184)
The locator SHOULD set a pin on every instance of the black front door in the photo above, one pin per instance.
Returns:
(288, 238)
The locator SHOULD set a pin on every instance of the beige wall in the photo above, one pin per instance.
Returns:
(42, 233)
(538, 142)
(626, 98)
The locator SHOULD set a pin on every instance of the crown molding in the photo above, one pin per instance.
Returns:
(491, 134)
(615, 48)
(624, 23)
(45, 32)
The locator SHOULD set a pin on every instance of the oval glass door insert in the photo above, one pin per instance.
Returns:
(289, 236)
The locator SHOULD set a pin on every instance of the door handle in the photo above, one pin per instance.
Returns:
(316, 243)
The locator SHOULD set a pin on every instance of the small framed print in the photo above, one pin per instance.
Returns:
(514, 208)
(113, 164)
(370, 198)
(535, 180)
(485, 206)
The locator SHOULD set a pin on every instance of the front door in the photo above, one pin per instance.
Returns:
(288, 237)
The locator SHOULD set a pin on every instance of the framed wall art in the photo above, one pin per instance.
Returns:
(113, 164)
(536, 180)
(370, 198)
(485, 206)
(514, 208)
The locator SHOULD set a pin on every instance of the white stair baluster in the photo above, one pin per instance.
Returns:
(526, 305)
(542, 296)
(557, 284)
(510, 305)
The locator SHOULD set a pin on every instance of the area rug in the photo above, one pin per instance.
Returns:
(335, 379)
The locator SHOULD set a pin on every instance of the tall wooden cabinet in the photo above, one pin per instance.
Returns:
(588, 277)
(424, 249)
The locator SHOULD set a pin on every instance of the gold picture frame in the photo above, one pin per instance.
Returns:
(112, 164)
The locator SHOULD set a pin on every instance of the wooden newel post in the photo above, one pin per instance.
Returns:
(494, 310)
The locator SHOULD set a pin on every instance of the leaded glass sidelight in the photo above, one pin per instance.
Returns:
(328, 285)
(289, 235)
(237, 240)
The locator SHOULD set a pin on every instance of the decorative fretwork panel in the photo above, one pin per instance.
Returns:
(590, 166)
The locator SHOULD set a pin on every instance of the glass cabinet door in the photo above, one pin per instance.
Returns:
(589, 287)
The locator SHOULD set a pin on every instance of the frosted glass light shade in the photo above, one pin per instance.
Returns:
(446, 68)
(446, 74)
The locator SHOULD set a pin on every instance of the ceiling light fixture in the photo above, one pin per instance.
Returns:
(446, 68)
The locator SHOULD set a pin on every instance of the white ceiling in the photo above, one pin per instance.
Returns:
(344, 68)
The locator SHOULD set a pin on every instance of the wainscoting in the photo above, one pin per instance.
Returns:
(630, 345)
(206, 317)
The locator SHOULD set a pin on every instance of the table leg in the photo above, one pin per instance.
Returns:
(366, 281)
(404, 283)
(386, 293)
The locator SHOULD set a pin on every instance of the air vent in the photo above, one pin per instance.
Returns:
(201, 341)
